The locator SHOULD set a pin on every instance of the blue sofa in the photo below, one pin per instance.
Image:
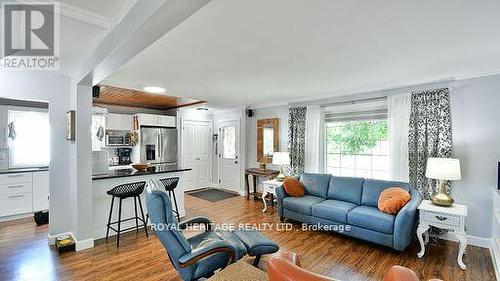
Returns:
(349, 206)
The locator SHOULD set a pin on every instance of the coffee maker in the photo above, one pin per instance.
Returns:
(124, 156)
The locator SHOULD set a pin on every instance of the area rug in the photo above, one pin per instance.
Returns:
(212, 195)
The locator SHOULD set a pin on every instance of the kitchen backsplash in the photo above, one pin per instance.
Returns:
(4, 159)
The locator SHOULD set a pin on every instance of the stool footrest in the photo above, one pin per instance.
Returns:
(128, 219)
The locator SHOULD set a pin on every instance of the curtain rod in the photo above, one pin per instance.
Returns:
(373, 95)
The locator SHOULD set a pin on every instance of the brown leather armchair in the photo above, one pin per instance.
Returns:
(286, 267)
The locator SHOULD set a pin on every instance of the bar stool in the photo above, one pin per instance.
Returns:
(170, 184)
(122, 192)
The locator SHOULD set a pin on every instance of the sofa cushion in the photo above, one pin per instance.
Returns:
(333, 210)
(315, 184)
(301, 204)
(392, 200)
(371, 218)
(373, 188)
(293, 187)
(346, 189)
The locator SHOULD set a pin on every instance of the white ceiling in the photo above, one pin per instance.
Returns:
(240, 52)
(83, 25)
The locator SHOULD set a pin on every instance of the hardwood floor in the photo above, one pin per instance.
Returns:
(27, 256)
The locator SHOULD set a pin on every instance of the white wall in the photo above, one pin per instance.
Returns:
(475, 105)
(54, 89)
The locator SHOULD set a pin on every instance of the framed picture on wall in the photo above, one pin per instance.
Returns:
(70, 125)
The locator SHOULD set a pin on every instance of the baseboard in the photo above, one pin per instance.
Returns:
(51, 239)
(84, 244)
(16, 217)
(495, 256)
(471, 240)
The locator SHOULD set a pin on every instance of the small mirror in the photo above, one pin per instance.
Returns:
(267, 139)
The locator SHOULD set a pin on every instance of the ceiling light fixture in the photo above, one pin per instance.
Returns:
(154, 90)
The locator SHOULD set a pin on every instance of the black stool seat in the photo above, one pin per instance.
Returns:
(170, 184)
(129, 190)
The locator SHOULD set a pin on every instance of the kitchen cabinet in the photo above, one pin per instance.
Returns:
(118, 122)
(155, 120)
(23, 193)
(4, 122)
(16, 194)
(40, 191)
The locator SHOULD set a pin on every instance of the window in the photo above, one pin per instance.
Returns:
(229, 142)
(357, 148)
(268, 140)
(29, 138)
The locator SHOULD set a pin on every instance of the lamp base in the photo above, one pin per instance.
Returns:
(442, 199)
(280, 177)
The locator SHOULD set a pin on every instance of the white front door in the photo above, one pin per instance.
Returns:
(229, 148)
(196, 150)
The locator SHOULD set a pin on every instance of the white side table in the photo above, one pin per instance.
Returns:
(450, 218)
(269, 188)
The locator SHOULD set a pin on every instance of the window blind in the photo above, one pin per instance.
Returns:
(360, 110)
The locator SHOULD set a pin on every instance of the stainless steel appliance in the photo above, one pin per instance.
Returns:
(124, 156)
(158, 145)
(117, 138)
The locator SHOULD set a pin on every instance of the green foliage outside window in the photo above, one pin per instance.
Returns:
(358, 136)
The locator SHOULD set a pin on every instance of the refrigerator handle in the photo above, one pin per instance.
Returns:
(158, 150)
(161, 147)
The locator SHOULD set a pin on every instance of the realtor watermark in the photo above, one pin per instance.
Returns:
(340, 228)
(30, 36)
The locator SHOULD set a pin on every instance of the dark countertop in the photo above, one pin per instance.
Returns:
(157, 169)
(24, 170)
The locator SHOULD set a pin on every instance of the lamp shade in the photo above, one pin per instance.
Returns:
(443, 169)
(281, 158)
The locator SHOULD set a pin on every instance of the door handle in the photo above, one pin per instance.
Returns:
(15, 186)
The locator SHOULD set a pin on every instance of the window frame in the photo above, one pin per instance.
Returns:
(325, 146)
(10, 144)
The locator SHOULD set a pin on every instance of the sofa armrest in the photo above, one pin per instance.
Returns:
(406, 222)
(280, 195)
(209, 249)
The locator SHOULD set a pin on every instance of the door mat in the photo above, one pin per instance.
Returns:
(212, 195)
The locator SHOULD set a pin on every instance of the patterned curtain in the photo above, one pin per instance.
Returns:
(296, 139)
(429, 135)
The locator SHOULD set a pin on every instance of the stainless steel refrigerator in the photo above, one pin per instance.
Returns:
(158, 145)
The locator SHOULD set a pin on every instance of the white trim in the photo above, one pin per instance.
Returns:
(495, 256)
(373, 92)
(84, 244)
(16, 217)
(51, 239)
(79, 14)
(471, 240)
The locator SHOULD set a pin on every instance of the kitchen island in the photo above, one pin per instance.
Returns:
(102, 201)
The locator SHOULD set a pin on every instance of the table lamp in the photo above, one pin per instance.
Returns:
(281, 159)
(443, 169)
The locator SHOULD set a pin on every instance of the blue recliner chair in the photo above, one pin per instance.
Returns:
(196, 257)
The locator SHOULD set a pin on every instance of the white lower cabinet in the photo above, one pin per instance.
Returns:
(16, 194)
(23, 193)
(15, 204)
(40, 191)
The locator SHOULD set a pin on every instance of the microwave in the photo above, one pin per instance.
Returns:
(118, 138)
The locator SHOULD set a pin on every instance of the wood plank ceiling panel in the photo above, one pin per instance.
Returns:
(133, 98)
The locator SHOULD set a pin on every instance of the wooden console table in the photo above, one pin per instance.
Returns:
(255, 172)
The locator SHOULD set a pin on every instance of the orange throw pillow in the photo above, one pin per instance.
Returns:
(293, 187)
(393, 199)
